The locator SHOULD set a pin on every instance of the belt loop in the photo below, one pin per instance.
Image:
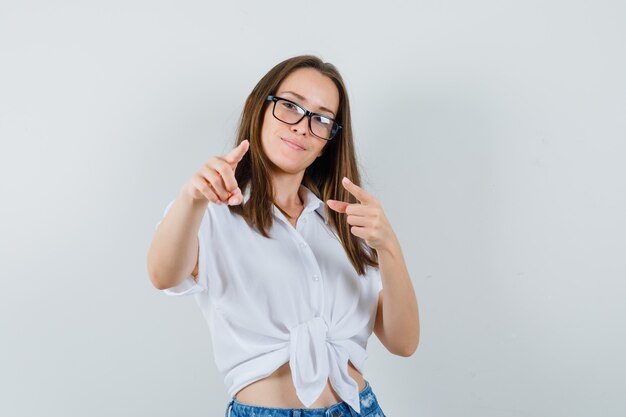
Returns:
(228, 407)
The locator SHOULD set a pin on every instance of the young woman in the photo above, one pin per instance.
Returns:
(291, 287)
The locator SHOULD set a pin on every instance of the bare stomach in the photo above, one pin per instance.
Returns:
(277, 390)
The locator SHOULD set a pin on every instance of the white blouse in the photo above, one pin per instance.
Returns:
(295, 297)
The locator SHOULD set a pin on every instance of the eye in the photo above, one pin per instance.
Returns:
(324, 121)
(289, 106)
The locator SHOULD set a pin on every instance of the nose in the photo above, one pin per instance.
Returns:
(302, 127)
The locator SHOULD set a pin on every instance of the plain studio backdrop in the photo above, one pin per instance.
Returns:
(493, 132)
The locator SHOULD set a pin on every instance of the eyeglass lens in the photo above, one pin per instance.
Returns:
(290, 113)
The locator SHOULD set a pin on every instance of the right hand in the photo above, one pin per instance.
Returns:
(215, 181)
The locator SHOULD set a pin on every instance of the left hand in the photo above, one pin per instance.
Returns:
(367, 219)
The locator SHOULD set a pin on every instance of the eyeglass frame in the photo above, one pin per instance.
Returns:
(307, 113)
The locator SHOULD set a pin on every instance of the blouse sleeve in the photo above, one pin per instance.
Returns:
(189, 285)
(379, 283)
(375, 276)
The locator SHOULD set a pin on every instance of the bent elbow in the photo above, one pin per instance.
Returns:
(407, 350)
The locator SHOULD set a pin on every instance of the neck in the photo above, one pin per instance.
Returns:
(286, 190)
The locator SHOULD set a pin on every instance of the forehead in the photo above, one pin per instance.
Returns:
(318, 90)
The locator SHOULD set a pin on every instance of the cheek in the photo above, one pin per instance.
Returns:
(266, 130)
(269, 127)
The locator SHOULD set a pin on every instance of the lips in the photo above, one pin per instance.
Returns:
(294, 143)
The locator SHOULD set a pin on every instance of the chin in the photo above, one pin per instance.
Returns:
(286, 165)
(284, 159)
(289, 169)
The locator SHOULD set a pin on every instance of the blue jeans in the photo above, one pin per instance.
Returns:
(369, 408)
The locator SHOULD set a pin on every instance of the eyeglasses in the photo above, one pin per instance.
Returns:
(291, 113)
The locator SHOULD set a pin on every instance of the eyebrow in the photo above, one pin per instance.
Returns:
(302, 98)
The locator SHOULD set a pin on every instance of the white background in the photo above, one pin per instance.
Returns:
(493, 132)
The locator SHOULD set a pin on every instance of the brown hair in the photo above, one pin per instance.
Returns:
(323, 177)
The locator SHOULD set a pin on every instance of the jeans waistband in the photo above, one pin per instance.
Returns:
(367, 398)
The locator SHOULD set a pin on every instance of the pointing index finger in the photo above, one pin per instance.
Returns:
(356, 191)
(235, 155)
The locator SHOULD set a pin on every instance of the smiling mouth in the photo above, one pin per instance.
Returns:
(292, 145)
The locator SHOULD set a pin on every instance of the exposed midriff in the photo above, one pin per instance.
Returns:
(277, 390)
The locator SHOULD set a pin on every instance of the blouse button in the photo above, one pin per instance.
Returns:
(316, 277)
(303, 244)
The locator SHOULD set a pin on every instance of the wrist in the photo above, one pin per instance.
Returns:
(186, 195)
(392, 248)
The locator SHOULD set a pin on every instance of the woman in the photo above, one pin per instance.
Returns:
(291, 290)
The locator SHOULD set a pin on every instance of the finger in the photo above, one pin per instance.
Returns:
(356, 191)
(356, 209)
(358, 231)
(358, 220)
(235, 155)
(215, 181)
(338, 206)
(359, 209)
(203, 187)
(227, 173)
(236, 198)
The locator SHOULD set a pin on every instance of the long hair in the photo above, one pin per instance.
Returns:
(323, 177)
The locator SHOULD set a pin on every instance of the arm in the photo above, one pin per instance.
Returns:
(174, 248)
(397, 320)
